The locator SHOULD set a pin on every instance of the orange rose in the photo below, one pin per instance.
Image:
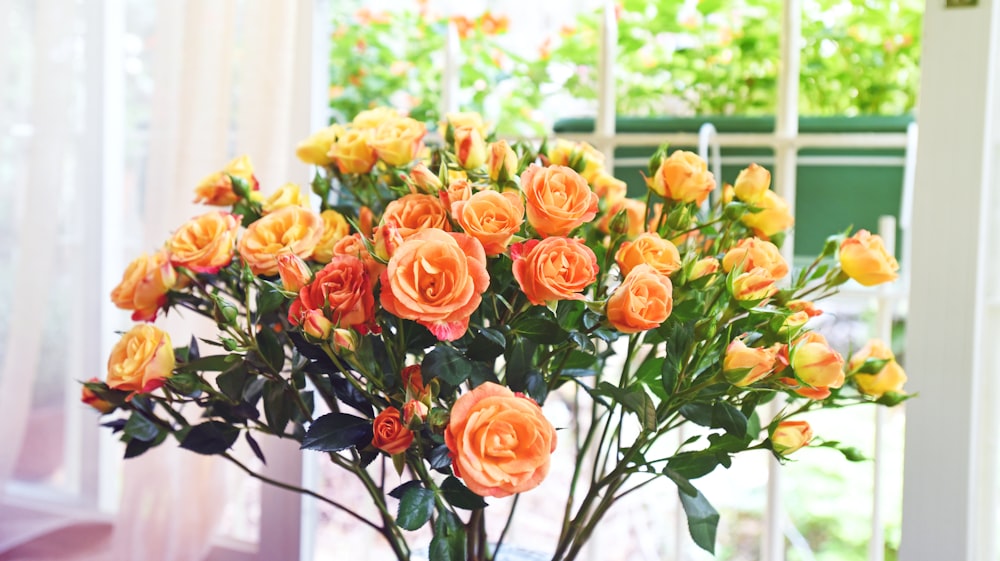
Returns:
(863, 258)
(390, 434)
(415, 212)
(577, 155)
(141, 360)
(816, 363)
(500, 443)
(772, 218)
(683, 177)
(755, 284)
(704, 266)
(490, 217)
(436, 279)
(457, 190)
(293, 271)
(553, 269)
(343, 292)
(335, 228)
(470, 148)
(889, 379)
(745, 365)
(217, 189)
(643, 301)
(90, 398)
(398, 142)
(752, 183)
(353, 245)
(650, 249)
(501, 161)
(751, 253)
(610, 188)
(292, 228)
(558, 199)
(789, 436)
(353, 153)
(205, 243)
(635, 217)
(288, 194)
(144, 286)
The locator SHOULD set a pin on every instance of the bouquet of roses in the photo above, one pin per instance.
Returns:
(441, 294)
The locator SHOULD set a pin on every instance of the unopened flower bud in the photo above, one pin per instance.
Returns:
(414, 413)
(704, 266)
(387, 239)
(316, 325)
(789, 436)
(501, 161)
(470, 148)
(90, 398)
(293, 271)
(425, 180)
(752, 183)
(345, 339)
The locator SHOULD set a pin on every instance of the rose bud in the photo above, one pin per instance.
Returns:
(863, 258)
(414, 413)
(501, 161)
(90, 398)
(345, 340)
(745, 365)
(816, 363)
(890, 378)
(425, 180)
(704, 266)
(316, 325)
(470, 148)
(293, 271)
(752, 183)
(789, 436)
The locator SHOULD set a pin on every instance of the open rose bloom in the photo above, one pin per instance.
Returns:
(442, 296)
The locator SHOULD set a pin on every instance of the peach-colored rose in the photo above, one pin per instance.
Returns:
(342, 291)
(390, 434)
(773, 217)
(889, 379)
(745, 365)
(650, 249)
(458, 190)
(292, 228)
(354, 246)
(398, 142)
(501, 161)
(642, 301)
(217, 188)
(704, 266)
(205, 243)
(335, 228)
(288, 194)
(789, 436)
(90, 398)
(577, 155)
(609, 188)
(490, 217)
(751, 253)
(816, 363)
(863, 258)
(436, 279)
(683, 177)
(553, 269)
(141, 360)
(635, 217)
(500, 443)
(353, 153)
(293, 271)
(144, 286)
(558, 199)
(470, 148)
(755, 284)
(315, 150)
(415, 212)
(752, 183)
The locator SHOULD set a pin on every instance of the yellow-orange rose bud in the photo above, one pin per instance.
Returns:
(288, 194)
(415, 212)
(293, 271)
(683, 177)
(642, 301)
(816, 363)
(649, 249)
(335, 228)
(491, 217)
(144, 286)
(755, 284)
(467, 119)
(635, 218)
(205, 243)
(745, 365)
(557, 199)
(315, 324)
(610, 188)
(345, 340)
(806, 306)
(373, 118)
(579, 156)
(398, 142)
(500, 443)
(470, 148)
(773, 217)
(90, 398)
(387, 239)
(141, 360)
(315, 150)
(704, 266)
(414, 413)
(752, 183)
(217, 188)
(789, 436)
(501, 161)
(390, 434)
(793, 322)
(863, 258)
(290, 229)
(889, 379)
(751, 253)
(353, 153)
(424, 180)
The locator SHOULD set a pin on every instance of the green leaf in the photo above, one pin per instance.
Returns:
(459, 496)
(448, 543)
(448, 364)
(136, 447)
(214, 363)
(271, 349)
(269, 298)
(399, 491)
(487, 345)
(539, 325)
(139, 427)
(255, 447)
(210, 437)
(232, 381)
(692, 465)
(872, 366)
(415, 508)
(337, 431)
(649, 370)
(729, 418)
(698, 413)
(703, 519)
(277, 406)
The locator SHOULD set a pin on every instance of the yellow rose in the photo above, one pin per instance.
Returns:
(373, 118)
(205, 243)
(577, 155)
(315, 150)
(863, 258)
(683, 177)
(789, 436)
(142, 360)
(335, 227)
(353, 153)
(752, 183)
(889, 379)
(288, 194)
(292, 228)
(217, 189)
(465, 120)
(773, 217)
(398, 142)
(144, 286)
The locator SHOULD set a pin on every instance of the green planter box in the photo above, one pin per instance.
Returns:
(829, 198)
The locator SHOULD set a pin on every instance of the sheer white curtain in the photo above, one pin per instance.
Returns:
(230, 77)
